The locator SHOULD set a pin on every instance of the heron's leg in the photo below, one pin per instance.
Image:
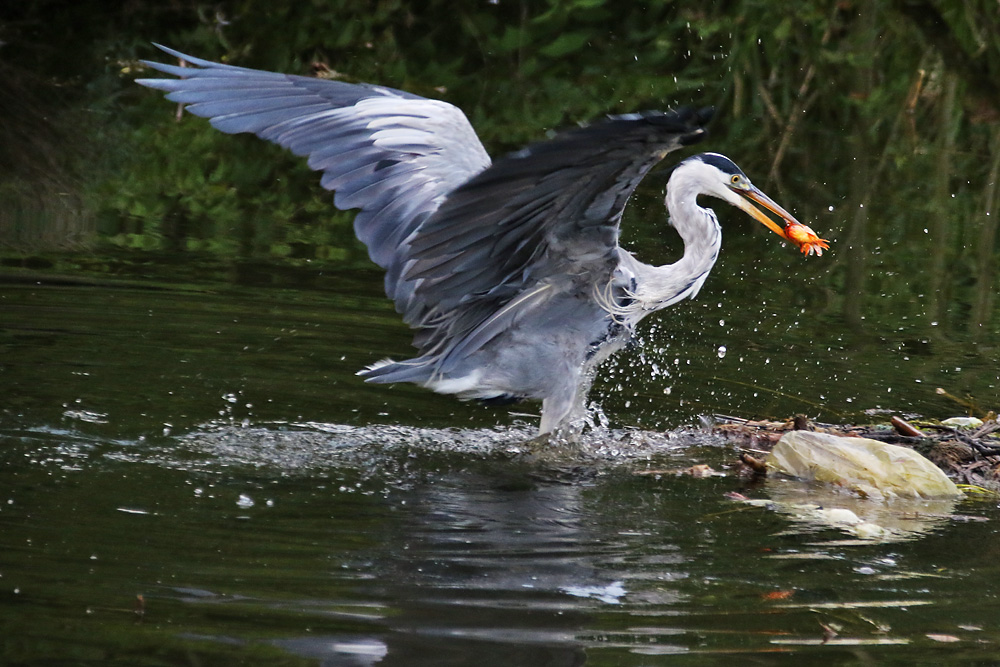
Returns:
(564, 410)
(555, 410)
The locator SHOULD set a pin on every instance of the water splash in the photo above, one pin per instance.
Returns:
(306, 446)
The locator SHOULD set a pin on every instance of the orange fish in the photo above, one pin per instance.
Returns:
(764, 209)
(805, 238)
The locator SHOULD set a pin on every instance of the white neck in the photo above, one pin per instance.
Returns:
(661, 286)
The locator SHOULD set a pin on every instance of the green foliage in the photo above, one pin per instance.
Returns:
(828, 104)
(191, 189)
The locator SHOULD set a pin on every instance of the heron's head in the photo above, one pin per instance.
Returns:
(718, 176)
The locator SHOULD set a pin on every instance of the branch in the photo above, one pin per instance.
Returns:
(926, 17)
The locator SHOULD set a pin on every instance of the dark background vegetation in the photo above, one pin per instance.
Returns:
(878, 122)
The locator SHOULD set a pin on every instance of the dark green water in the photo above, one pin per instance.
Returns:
(208, 448)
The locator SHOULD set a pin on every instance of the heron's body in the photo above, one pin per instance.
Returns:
(509, 272)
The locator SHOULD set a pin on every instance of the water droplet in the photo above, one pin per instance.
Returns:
(245, 501)
(722, 351)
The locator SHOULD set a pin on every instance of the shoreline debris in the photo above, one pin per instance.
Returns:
(869, 468)
(966, 454)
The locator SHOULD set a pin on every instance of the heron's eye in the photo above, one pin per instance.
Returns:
(735, 180)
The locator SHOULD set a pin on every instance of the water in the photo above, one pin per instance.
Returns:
(192, 474)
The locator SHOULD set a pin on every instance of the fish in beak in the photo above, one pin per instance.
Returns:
(766, 211)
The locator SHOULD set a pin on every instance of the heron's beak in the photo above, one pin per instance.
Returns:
(763, 209)
(764, 203)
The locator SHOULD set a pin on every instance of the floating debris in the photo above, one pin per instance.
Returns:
(870, 468)
(963, 422)
(967, 455)
(878, 489)
(697, 470)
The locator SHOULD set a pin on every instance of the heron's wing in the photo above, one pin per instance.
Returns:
(550, 209)
(392, 154)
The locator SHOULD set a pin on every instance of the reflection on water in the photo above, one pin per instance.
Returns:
(211, 450)
(820, 507)
(316, 542)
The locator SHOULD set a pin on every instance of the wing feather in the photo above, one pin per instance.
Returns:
(547, 214)
(374, 145)
(468, 247)
(548, 194)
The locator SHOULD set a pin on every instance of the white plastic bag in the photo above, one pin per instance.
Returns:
(871, 468)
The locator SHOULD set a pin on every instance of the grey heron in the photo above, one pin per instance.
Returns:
(510, 271)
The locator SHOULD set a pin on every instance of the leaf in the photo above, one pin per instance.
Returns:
(778, 595)
(783, 30)
(512, 39)
(565, 44)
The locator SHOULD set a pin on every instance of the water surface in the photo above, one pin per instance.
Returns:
(208, 448)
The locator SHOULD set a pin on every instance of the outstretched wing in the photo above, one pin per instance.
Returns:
(552, 209)
(390, 153)
(464, 244)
